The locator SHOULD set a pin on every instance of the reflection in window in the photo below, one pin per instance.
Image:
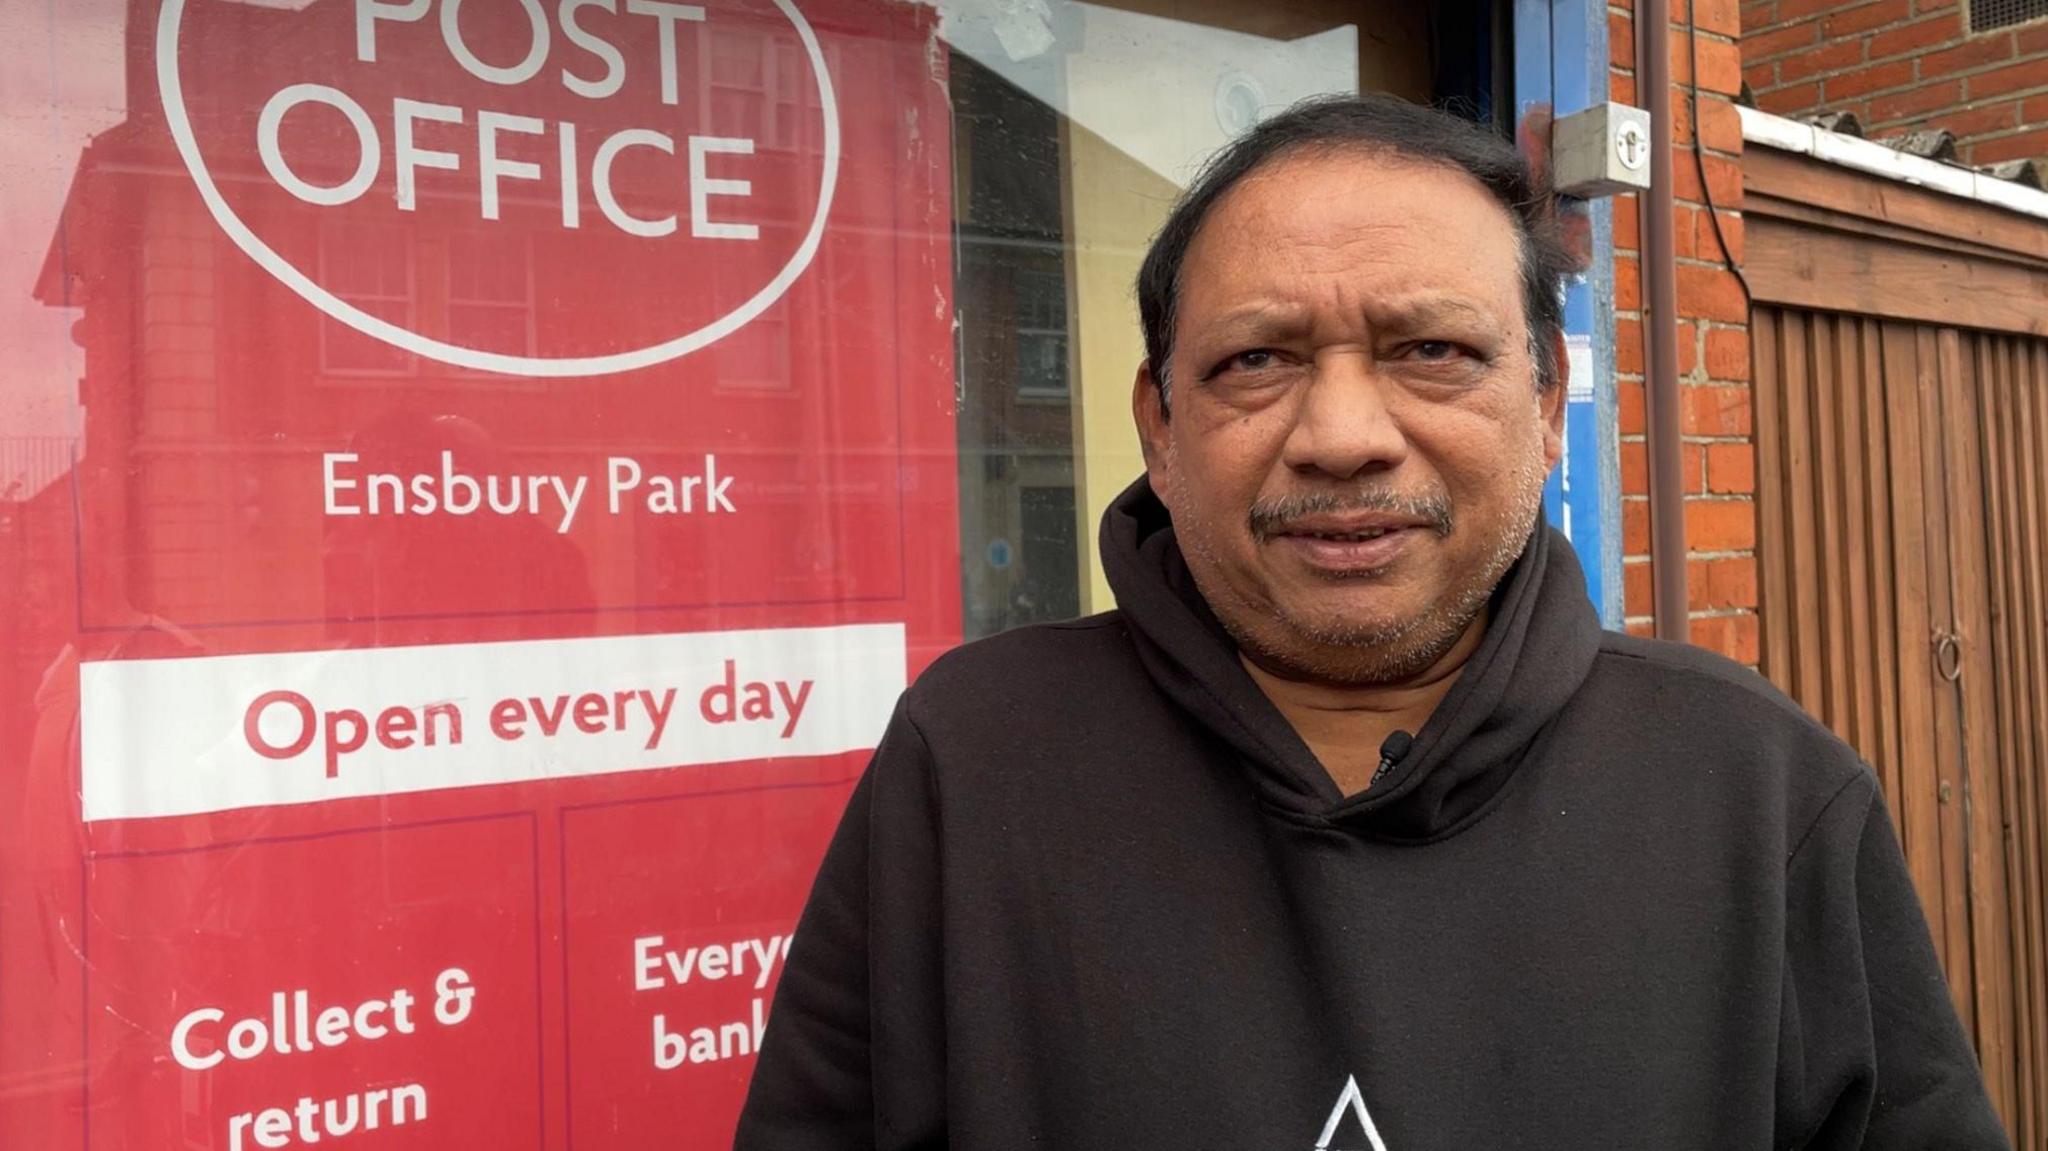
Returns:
(373, 268)
(1045, 588)
(1042, 367)
(749, 78)
(490, 293)
(1016, 419)
(756, 357)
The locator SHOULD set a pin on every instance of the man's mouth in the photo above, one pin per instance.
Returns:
(1347, 518)
(1346, 547)
(1348, 536)
(1345, 537)
(1344, 527)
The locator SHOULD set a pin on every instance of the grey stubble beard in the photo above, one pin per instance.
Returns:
(1370, 655)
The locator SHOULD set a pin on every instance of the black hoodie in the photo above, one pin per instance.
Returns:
(1095, 892)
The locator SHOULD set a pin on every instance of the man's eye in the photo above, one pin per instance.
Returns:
(1435, 350)
(1253, 360)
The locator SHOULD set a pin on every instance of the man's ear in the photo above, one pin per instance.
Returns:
(1552, 400)
(1148, 408)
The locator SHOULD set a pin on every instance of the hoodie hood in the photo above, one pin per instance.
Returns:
(1540, 643)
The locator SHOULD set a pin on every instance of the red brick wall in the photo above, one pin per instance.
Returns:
(1903, 64)
(1712, 327)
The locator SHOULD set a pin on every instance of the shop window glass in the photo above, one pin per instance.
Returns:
(468, 505)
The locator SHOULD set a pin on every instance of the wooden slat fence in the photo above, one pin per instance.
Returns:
(1903, 492)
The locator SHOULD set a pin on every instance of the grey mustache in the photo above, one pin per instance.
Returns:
(1270, 518)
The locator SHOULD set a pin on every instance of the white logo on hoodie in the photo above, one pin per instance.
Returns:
(1351, 1102)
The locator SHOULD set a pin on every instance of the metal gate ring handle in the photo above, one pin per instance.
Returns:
(1948, 656)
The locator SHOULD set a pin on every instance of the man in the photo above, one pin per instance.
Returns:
(1351, 828)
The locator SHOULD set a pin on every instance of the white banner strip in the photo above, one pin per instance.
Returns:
(167, 737)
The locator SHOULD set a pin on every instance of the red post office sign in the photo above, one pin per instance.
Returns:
(517, 477)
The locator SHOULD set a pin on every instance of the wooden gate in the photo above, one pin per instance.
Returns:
(1902, 442)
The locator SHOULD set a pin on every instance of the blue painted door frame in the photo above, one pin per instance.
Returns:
(1560, 67)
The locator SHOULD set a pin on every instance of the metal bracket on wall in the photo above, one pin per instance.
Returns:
(1603, 150)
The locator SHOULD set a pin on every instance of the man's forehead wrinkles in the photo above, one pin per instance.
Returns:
(1261, 312)
(1396, 276)
(1389, 242)
(1428, 306)
(1380, 309)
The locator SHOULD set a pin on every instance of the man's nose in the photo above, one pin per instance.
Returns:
(1345, 425)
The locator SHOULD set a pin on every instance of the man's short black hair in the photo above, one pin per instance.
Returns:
(1381, 123)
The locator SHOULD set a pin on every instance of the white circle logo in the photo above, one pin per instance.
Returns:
(177, 119)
